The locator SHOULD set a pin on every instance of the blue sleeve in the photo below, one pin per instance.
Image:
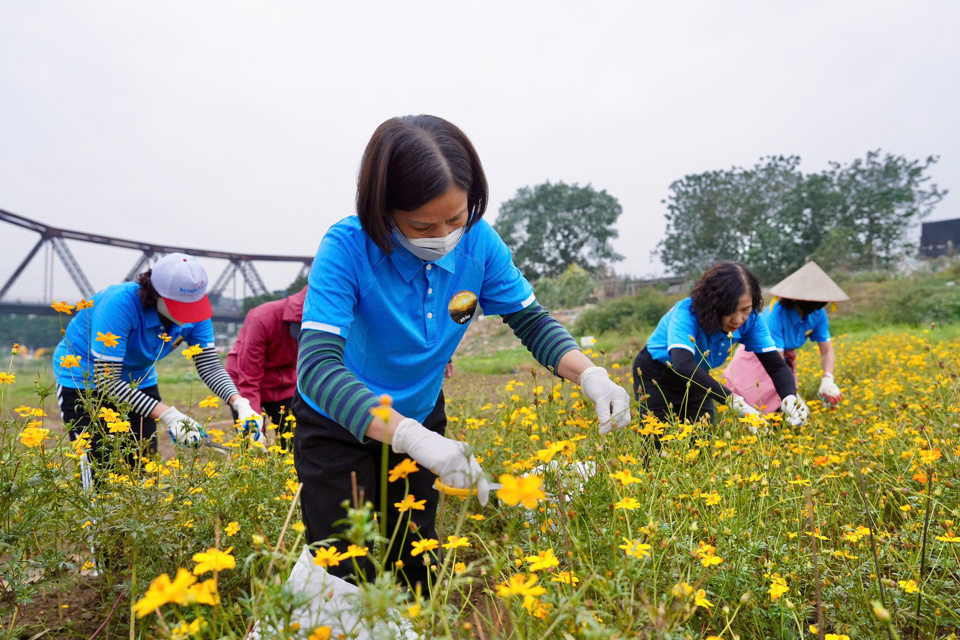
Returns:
(772, 320)
(682, 330)
(333, 290)
(504, 289)
(821, 327)
(200, 333)
(115, 316)
(756, 337)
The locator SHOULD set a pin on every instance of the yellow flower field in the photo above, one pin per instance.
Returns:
(847, 527)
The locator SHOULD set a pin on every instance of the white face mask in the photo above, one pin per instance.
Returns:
(430, 249)
(162, 310)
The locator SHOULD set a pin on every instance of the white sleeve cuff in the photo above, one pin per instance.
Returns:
(319, 326)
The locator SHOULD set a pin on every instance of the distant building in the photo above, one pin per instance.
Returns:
(939, 238)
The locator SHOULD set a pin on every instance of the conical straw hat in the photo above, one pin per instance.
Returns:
(810, 283)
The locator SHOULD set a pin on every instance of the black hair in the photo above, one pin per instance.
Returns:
(805, 307)
(410, 161)
(717, 293)
(148, 295)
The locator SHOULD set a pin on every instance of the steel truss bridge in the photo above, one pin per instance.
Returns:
(239, 265)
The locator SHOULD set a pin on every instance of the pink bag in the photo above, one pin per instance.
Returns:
(746, 377)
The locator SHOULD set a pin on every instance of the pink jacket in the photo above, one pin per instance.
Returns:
(263, 360)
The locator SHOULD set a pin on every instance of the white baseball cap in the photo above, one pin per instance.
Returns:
(182, 283)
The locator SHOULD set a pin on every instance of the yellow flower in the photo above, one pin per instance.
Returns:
(455, 542)
(834, 636)
(410, 503)
(320, 633)
(84, 304)
(413, 610)
(459, 568)
(233, 528)
(108, 339)
(525, 489)
(929, 456)
(108, 415)
(625, 477)
(213, 560)
(950, 537)
(627, 503)
(543, 560)
(565, 577)
(403, 469)
(164, 337)
(635, 548)
(520, 585)
(189, 352)
(909, 586)
(326, 557)
(382, 411)
(712, 498)
(7, 378)
(68, 362)
(682, 590)
(299, 527)
(353, 551)
(210, 401)
(778, 587)
(32, 436)
(183, 629)
(62, 307)
(204, 593)
(162, 591)
(119, 427)
(701, 599)
(421, 546)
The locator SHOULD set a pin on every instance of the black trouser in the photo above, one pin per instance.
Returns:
(78, 419)
(666, 393)
(325, 453)
(275, 411)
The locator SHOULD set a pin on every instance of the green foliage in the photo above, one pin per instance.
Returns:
(552, 226)
(914, 302)
(774, 217)
(571, 289)
(30, 331)
(626, 314)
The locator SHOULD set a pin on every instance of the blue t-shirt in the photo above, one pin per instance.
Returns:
(117, 310)
(680, 328)
(790, 331)
(402, 318)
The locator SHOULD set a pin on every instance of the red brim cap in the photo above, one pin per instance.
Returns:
(189, 312)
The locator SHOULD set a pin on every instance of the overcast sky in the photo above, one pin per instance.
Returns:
(240, 125)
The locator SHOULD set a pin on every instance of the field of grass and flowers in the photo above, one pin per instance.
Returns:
(847, 527)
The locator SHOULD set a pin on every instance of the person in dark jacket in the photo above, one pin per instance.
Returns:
(263, 360)
(671, 375)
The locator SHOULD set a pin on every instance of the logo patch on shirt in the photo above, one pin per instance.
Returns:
(462, 307)
(809, 333)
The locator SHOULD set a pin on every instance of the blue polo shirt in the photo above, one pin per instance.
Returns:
(118, 310)
(790, 331)
(402, 318)
(680, 328)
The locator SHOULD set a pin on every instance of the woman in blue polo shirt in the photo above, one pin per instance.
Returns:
(107, 355)
(672, 373)
(798, 316)
(391, 293)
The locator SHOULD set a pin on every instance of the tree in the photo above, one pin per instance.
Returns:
(774, 218)
(552, 226)
(572, 288)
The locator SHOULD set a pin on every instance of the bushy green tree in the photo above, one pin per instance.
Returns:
(573, 288)
(552, 226)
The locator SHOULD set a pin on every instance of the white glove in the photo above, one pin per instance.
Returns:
(612, 400)
(795, 411)
(251, 421)
(829, 391)
(743, 409)
(184, 430)
(450, 459)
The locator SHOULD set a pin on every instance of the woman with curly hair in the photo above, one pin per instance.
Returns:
(671, 375)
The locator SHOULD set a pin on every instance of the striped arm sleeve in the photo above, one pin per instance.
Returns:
(211, 371)
(322, 377)
(546, 338)
(107, 375)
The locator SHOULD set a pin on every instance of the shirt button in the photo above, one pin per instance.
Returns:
(429, 315)
(430, 290)
(429, 266)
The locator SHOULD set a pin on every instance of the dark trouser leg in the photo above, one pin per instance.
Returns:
(76, 416)
(325, 454)
(278, 411)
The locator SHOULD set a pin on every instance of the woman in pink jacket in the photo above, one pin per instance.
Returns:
(263, 360)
